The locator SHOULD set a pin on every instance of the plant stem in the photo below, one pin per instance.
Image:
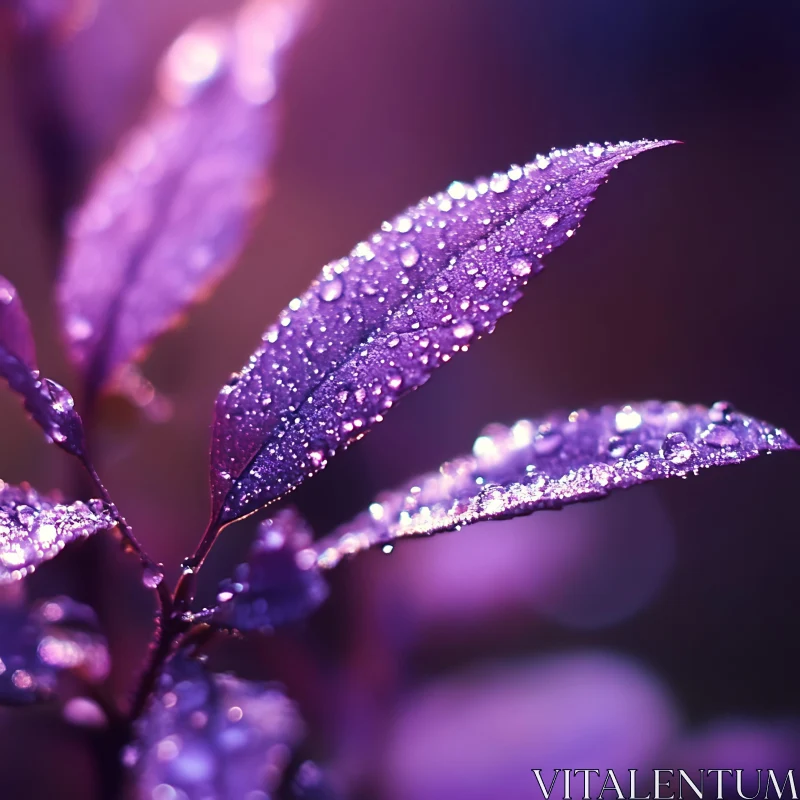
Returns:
(158, 654)
(185, 590)
(162, 587)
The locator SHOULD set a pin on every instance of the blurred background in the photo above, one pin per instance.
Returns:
(656, 629)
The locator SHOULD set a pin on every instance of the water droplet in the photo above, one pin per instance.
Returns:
(492, 499)
(463, 330)
(152, 576)
(548, 220)
(499, 183)
(520, 267)
(403, 224)
(363, 250)
(26, 515)
(409, 255)
(639, 458)
(617, 447)
(317, 458)
(457, 190)
(720, 436)
(627, 419)
(331, 289)
(394, 379)
(479, 282)
(46, 534)
(676, 448)
(721, 412)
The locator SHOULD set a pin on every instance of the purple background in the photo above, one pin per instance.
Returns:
(681, 284)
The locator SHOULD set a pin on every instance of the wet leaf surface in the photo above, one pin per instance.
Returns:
(49, 403)
(377, 323)
(547, 464)
(34, 529)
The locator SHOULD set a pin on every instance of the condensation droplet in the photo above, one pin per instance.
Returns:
(409, 255)
(152, 576)
(317, 458)
(720, 436)
(394, 380)
(457, 190)
(520, 267)
(548, 220)
(627, 419)
(721, 412)
(617, 447)
(331, 289)
(463, 330)
(499, 183)
(676, 448)
(403, 224)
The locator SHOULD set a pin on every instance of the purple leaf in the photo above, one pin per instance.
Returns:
(34, 529)
(58, 634)
(170, 212)
(50, 404)
(313, 783)
(273, 588)
(207, 735)
(377, 323)
(544, 464)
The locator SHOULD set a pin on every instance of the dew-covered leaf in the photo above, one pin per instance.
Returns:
(169, 213)
(209, 735)
(550, 463)
(38, 644)
(375, 324)
(34, 529)
(274, 587)
(50, 404)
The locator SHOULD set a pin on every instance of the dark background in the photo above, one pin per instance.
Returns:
(683, 283)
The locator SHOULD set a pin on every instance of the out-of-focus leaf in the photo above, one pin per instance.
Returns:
(313, 783)
(377, 323)
(36, 646)
(207, 735)
(545, 464)
(167, 215)
(34, 529)
(50, 404)
(54, 19)
(273, 587)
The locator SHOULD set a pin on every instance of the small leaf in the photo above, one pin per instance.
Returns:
(50, 404)
(313, 783)
(57, 634)
(376, 324)
(545, 464)
(273, 588)
(34, 529)
(207, 735)
(169, 213)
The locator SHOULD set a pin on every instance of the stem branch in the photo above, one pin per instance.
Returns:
(161, 586)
